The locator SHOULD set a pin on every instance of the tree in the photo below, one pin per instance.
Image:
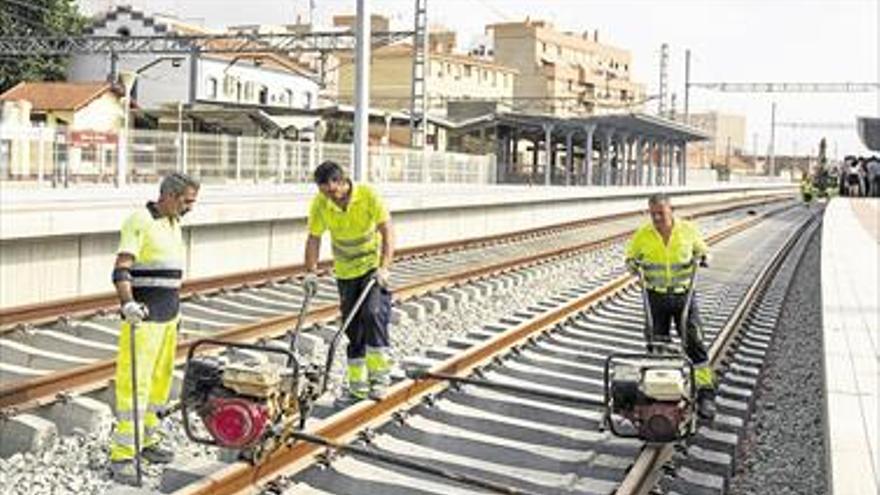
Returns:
(36, 18)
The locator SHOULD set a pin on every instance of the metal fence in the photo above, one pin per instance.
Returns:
(50, 157)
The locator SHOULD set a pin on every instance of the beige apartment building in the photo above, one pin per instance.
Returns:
(726, 144)
(565, 74)
(452, 77)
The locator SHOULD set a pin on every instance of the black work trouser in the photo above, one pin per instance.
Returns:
(668, 307)
(369, 328)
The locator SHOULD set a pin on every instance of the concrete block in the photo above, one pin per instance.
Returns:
(418, 363)
(726, 422)
(717, 440)
(745, 370)
(441, 353)
(461, 342)
(445, 300)
(711, 461)
(117, 489)
(458, 295)
(79, 413)
(733, 392)
(480, 335)
(432, 306)
(398, 316)
(731, 406)
(745, 350)
(472, 292)
(747, 360)
(740, 380)
(484, 288)
(691, 482)
(181, 474)
(414, 311)
(26, 433)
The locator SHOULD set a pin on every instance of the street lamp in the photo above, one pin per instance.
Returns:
(128, 78)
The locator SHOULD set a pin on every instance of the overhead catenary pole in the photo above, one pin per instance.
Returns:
(362, 90)
(687, 85)
(771, 167)
(664, 75)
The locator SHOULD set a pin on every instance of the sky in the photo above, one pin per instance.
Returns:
(730, 41)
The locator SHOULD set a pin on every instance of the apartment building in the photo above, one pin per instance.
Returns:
(563, 73)
(256, 78)
(451, 76)
(727, 134)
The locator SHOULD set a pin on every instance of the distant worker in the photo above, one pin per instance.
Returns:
(666, 249)
(853, 178)
(874, 176)
(807, 188)
(363, 248)
(147, 275)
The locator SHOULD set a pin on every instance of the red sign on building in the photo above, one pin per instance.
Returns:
(87, 138)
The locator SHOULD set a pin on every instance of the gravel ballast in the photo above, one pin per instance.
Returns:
(783, 451)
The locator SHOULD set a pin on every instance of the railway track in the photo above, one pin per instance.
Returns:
(426, 437)
(56, 355)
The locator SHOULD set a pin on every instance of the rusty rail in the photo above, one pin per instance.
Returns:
(27, 394)
(242, 477)
(78, 306)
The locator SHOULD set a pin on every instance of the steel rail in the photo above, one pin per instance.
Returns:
(28, 394)
(33, 314)
(646, 471)
(345, 425)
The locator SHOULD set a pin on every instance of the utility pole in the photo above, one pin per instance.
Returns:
(687, 85)
(362, 90)
(418, 112)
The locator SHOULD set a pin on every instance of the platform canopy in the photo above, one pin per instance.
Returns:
(628, 124)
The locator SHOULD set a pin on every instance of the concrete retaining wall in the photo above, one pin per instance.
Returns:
(62, 244)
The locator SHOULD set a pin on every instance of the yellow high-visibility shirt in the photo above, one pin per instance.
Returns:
(666, 266)
(353, 231)
(156, 243)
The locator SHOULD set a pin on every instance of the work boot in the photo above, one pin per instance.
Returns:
(357, 391)
(379, 386)
(124, 472)
(706, 404)
(157, 454)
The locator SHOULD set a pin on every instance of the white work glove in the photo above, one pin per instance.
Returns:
(310, 284)
(383, 277)
(133, 312)
(632, 265)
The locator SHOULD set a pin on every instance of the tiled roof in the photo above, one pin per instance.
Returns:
(57, 95)
(164, 25)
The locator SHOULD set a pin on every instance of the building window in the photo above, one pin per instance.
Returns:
(212, 87)
(467, 71)
(239, 93)
(288, 97)
(308, 99)
(263, 95)
(123, 31)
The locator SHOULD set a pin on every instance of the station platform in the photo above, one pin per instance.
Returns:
(851, 328)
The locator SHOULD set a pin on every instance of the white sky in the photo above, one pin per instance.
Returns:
(730, 40)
